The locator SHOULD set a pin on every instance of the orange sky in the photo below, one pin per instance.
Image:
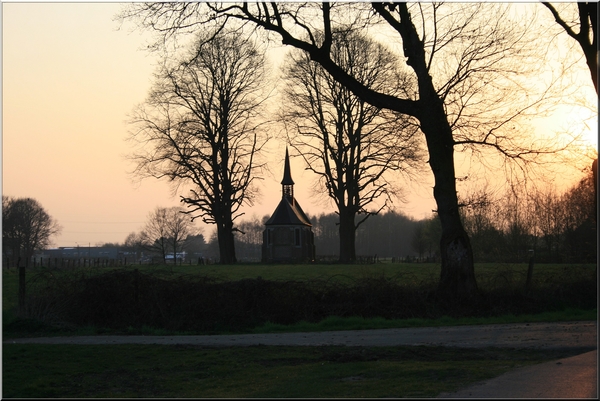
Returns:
(69, 80)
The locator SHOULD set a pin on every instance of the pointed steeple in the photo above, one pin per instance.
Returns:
(287, 183)
(287, 175)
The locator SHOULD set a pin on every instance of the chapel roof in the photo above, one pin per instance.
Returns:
(288, 213)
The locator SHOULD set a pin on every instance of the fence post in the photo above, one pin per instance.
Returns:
(529, 272)
(135, 285)
(21, 288)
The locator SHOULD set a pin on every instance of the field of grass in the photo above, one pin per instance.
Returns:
(98, 371)
(340, 272)
(123, 371)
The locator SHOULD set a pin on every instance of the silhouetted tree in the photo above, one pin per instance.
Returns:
(195, 245)
(419, 241)
(581, 24)
(26, 228)
(249, 238)
(199, 127)
(479, 214)
(469, 63)
(350, 145)
(387, 235)
(580, 231)
(327, 235)
(166, 231)
(134, 242)
(550, 222)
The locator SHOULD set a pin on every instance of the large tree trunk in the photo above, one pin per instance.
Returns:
(457, 278)
(590, 48)
(226, 242)
(347, 231)
(595, 176)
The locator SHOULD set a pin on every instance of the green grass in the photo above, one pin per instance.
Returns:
(359, 323)
(409, 271)
(100, 371)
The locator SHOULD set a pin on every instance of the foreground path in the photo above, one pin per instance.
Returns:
(574, 377)
(526, 335)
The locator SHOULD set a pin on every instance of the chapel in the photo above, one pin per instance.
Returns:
(288, 236)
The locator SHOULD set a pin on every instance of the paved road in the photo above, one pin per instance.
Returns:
(574, 377)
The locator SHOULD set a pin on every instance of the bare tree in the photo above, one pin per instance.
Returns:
(583, 19)
(418, 242)
(350, 145)
(166, 230)
(580, 228)
(549, 220)
(134, 242)
(199, 127)
(155, 234)
(468, 63)
(26, 228)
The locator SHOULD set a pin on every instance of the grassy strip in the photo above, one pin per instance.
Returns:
(17, 328)
(358, 323)
(100, 371)
(339, 272)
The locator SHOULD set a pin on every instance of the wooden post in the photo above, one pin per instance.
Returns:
(135, 285)
(529, 272)
(21, 287)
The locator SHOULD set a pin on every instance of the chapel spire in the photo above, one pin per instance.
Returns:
(287, 183)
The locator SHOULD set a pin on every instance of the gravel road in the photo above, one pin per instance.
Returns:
(526, 335)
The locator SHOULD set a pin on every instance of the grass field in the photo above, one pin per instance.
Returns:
(120, 371)
(409, 272)
(123, 371)
(340, 272)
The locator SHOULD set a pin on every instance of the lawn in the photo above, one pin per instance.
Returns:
(123, 371)
(120, 371)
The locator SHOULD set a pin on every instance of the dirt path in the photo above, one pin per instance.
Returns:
(527, 335)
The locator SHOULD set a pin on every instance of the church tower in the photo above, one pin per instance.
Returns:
(288, 236)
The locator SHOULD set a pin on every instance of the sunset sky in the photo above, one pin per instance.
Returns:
(70, 78)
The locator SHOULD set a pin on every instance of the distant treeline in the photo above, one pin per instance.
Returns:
(383, 236)
(557, 227)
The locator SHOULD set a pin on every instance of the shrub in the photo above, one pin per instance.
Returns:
(126, 299)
